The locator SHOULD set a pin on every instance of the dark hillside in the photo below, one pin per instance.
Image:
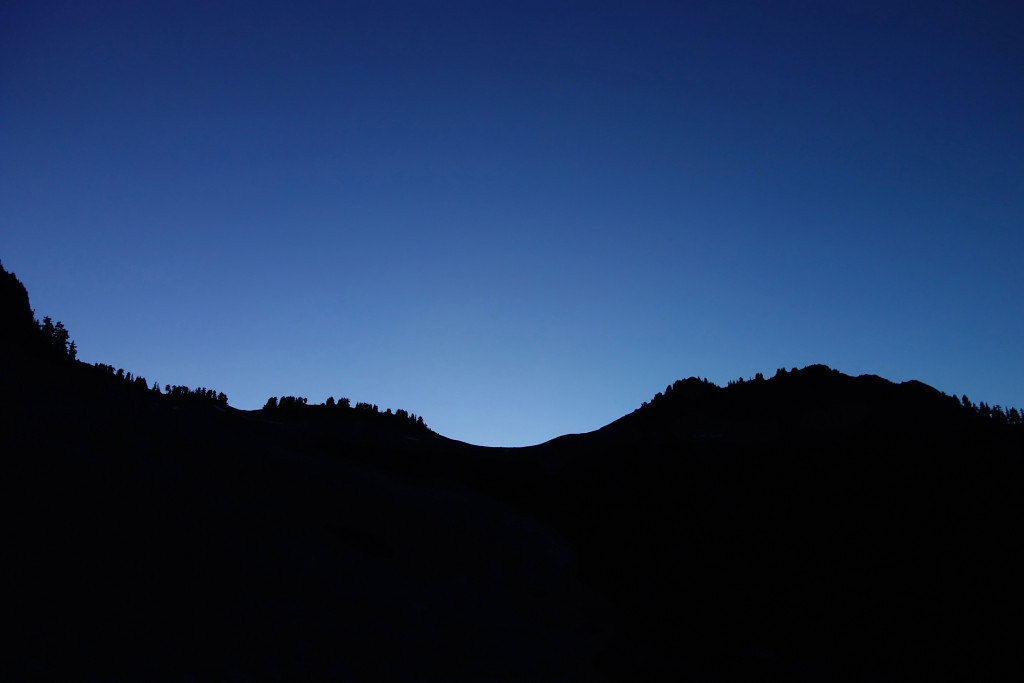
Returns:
(153, 537)
(814, 525)
(810, 526)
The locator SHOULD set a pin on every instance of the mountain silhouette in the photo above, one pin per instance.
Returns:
(807, 526)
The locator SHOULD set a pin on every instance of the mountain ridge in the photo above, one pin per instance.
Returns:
(811, 526)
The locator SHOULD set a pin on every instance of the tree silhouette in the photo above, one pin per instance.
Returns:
(19, 328)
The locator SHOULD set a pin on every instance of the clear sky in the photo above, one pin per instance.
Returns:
(519, 219)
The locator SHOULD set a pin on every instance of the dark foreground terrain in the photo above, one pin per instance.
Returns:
(811, 526)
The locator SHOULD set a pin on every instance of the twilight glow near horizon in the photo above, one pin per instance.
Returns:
(519, 219)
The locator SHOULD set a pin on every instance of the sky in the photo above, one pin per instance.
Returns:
(519, 219)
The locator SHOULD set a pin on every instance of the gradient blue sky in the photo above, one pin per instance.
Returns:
(519, 219)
